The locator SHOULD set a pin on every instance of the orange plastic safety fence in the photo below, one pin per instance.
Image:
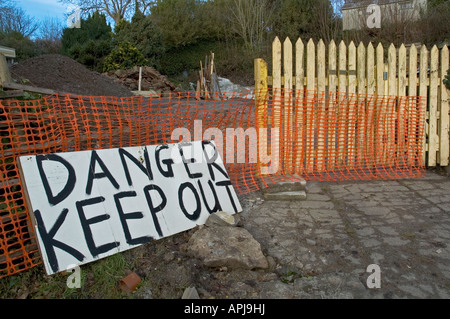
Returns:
(62, 123)
(317, 136)
(332, 136)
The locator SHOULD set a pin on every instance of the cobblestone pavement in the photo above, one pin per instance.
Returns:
(322, 247)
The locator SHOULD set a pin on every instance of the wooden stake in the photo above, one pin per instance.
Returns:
(140, 78)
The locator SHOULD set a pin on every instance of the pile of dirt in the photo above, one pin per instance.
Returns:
(63, 74)
(151, 79)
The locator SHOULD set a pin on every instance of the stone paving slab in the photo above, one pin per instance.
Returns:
(326, 242)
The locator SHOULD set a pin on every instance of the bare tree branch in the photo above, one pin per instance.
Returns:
(115, 9)
(14, 19)
(250, 19)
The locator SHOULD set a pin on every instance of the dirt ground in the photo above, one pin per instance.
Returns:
(168, 268)
(63, 74)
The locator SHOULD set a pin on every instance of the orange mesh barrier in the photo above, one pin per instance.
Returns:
(317, 136)
(332, 136)
(62, 123)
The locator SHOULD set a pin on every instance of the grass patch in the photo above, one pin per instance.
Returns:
(290, 276)
(99, 280)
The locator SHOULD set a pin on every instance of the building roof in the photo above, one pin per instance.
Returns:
(8, 52)
(353, 4)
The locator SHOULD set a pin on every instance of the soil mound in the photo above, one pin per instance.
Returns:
(65, 75)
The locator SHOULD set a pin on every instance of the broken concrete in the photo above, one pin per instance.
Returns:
(151, 79)
(297, 184)
(294, 189)
(231, 247)
(222, 219)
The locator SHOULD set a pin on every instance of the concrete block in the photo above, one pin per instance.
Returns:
(276, 186)
(290, 195)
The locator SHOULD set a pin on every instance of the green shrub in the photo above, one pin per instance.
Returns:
(91, 53)
(141, 33)
(89, 44)
(25, 47)
(186, 58)
(124, 56)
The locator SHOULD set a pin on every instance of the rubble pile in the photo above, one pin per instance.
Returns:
(151, 79)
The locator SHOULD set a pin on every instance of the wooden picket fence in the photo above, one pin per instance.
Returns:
(367, 70)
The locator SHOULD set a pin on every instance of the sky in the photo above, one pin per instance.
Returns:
(42, 9)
